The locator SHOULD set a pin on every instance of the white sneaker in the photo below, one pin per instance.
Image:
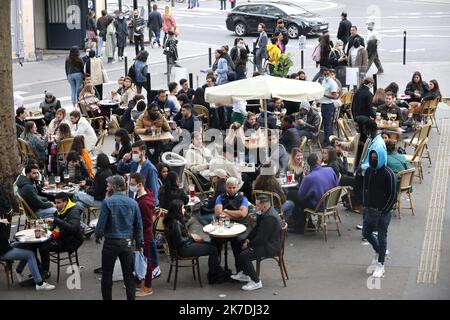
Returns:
(156, 272)
(240, 277)
(45, 287)
(359, 226)
(379, 271)
(252, 285)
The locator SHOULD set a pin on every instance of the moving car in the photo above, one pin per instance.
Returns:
(244, 19)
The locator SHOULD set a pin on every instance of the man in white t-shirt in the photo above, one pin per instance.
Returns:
(327, 105)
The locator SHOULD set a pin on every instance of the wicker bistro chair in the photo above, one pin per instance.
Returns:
(418, 136)
(406, 180)
(315, 139)
(63, 149)
(346, 107)
(275, 200)
(429, 112)
(190, 178)
(330, 200)
(8, 264)
(203, 114)
(97, 119)
(158, 229)
(26, 151)
(31, 217)
(416, 158)
(279, 259)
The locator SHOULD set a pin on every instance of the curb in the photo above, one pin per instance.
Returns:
(23, 85)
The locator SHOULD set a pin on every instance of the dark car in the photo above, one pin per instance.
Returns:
(244, 19)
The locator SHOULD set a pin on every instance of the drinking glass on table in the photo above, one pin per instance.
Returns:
(152, 129)
(290, 177)
(192, 192)
(158, 131)
(282, 178)
(57, 182)
(66, 179)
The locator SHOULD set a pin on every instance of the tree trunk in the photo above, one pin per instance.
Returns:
(9, 161)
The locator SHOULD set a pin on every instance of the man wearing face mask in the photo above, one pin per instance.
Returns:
(263, 241)
(307, 121)
(379, 196)
(239, 55)
(121, 34)
(141, 165)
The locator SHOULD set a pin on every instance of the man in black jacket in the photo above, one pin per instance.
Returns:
(353, 35)
(363, 100)
(307, 121)
(155, 24)
(379, 196)
(21, 115)
(66, 230)
(28, 190)
(263, 241)
(344, 28)
(102, 25)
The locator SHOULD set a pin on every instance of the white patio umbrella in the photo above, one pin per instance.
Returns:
(264, 87)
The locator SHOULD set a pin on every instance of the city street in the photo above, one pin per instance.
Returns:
(336, 269)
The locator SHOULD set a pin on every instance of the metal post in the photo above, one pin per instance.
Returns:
(126, 66)
(191, 80)
(210, 56)
(375, 82)
(135, 4)
(254, 52)
(149, 86)
(197, 81)
(149, 9)
(173, 3)
(301, 55)
(404, 47)
(120, 5)
(168, 74)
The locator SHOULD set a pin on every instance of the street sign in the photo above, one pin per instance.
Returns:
(302, 42)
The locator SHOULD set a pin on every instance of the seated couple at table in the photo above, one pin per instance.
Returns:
(66, 237)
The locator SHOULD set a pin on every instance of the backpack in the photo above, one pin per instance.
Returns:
(132, 73)
(316, 53)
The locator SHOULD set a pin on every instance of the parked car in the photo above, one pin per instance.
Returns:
(244, 19)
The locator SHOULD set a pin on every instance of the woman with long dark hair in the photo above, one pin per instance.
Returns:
(171, 190)
(433, 93)
(163, 171)
(325, 49)
(188, 245)
(416, 88)
(35, 140)
(123, 144)
(74, 72)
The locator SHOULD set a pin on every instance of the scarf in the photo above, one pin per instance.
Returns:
(56, 232)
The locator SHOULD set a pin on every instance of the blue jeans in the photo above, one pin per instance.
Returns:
(374, 220)
(84, 200)
(288, 208)
(75, 80)
(100, 46)
(25, 256)
(327, 114)
(304, 133)
(157, 33)
(46, 213)
(205, 219)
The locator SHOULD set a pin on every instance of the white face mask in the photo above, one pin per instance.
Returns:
(136, 157)
(258, 213)
(134, 189)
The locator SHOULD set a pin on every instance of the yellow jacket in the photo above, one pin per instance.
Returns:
(274, 54)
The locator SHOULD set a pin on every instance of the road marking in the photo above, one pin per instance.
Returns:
(431, 249)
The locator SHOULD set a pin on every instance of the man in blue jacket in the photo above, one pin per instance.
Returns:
(313, 187)
(141, 165)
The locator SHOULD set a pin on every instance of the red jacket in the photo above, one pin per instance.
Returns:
(147, 205)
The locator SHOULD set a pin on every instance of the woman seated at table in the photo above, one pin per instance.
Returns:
(171, 190)
(296, 165)
(63, 133)
(198, 158)
(188, 245)
(79, 146)
(218, 183)
(35, 140)
(251, 123)
(60, 117)
(8, 252)
(433, 93)
(268, 182)
(127, 94)
(329, 159)
(76, 169)
(94, 196)
(396, 161)
(122, 145)
(416, 88)
(88, 98)
(129, 116)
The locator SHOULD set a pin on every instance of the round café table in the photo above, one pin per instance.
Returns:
(27, 236)
(226, 233)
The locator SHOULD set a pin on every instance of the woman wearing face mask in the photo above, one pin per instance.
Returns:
(239, 55)
(121, 34)
(339, 60)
